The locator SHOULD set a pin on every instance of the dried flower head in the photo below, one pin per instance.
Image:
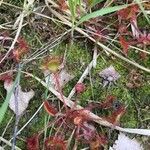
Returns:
(52, 64)
(109, 76)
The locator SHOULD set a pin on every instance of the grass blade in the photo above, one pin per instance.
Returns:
(101, 12)
(4, 106)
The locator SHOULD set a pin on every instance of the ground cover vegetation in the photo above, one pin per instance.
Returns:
(74, 74)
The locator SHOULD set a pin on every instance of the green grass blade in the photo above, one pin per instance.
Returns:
(142, 9)
(4, 106)
(72, 8)
(101, 12)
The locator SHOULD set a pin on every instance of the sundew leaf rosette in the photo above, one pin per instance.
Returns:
(52, 63)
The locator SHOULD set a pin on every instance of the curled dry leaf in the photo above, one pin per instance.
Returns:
(63, 76)
(109, 76)
(125, 143)
(23, 97)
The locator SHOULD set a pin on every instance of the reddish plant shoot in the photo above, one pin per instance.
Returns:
(79, 88)
(22, 48)
(33, 142)
(55, 143)
(50, 109)
(124, 45)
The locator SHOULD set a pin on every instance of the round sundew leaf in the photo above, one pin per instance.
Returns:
(52, 63)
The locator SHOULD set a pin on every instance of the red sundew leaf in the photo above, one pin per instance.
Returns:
(114, 118)
(52, 63)
(124, 44)
(55, 143)
(129, 12)
(21, 49)
(50, 109)
(33, 142)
